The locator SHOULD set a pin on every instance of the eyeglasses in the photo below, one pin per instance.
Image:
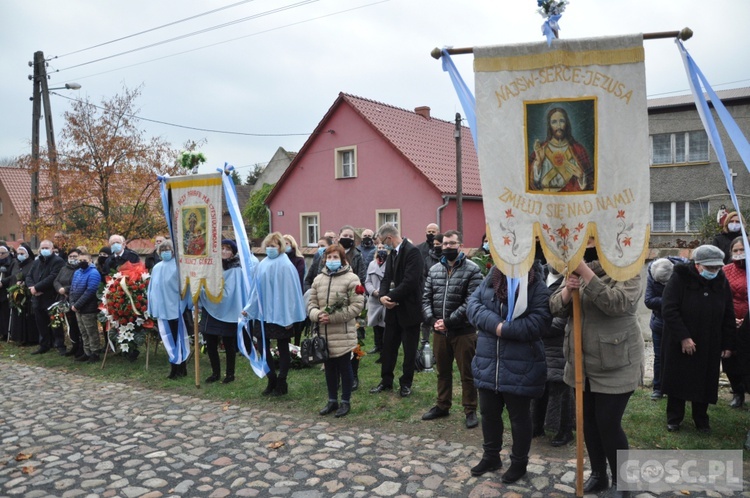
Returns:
(451, 244)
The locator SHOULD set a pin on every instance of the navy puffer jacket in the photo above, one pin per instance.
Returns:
(515, 362)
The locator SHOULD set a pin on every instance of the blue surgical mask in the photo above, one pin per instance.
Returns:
(388, 246)
(486, 246)
(272, 252)
(46, 252)
(708, 275)
(333, 265)
(288, 249)
(166, 255)
(116, 248)
(321, 250)
(22, 257)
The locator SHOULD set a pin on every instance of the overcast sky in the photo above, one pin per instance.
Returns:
(284, 69)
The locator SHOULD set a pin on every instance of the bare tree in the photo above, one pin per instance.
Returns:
(109, 170)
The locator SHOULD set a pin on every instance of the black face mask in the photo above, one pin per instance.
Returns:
(367, 242)
(83, 265)
(430, 238)
(450, 254)
(101, 260)
(346, 243)
(382, 254)
(590, 255)
(437, 251)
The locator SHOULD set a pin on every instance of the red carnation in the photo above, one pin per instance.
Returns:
(360, 289)
(148, 324)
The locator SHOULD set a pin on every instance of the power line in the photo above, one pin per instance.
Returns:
(208, 130)
(230, 40)
(153, 29)
(194, 33)
(685, 90)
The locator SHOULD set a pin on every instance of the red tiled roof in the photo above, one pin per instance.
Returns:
(427, 143)
(17, 182)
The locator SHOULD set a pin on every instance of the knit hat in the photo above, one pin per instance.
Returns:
(232, 245)
(661, 270)
(708, 255)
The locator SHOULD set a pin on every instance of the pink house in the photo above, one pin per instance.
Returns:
(368, 163)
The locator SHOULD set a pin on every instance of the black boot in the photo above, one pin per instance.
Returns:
(182, 369)
(270, 387)
(738, 401)
(597, 481)
(281, 387)
(172, 371)
(486, 465)
(516, 470)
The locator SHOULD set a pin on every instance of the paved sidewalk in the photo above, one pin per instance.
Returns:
(90, 438)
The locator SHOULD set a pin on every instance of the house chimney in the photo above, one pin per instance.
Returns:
(423, 111)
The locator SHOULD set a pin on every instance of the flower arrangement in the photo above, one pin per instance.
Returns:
(124, 305)
(295, 355)
(57, 314)
(552, 11)
(191, 160)
(483, 261)
(19, 295)
(548, 8)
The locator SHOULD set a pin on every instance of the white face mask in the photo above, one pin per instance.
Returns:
(733, 226)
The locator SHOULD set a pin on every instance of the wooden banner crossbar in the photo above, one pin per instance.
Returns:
(683, 34)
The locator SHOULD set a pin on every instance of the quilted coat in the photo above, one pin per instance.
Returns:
(514, 362)
(337, 291)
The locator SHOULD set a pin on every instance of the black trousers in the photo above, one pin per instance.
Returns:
(491, 406)
(377, 333)
(395, 335)
(212, 347)
(48, 337)
(285, 359)
(602, 428)
(676, 411)
(554, 409)
(339, 368)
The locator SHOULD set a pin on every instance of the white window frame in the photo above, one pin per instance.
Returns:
(674, 138)
(346, 169)
(673, 228)
(382, 215)
(304, 226)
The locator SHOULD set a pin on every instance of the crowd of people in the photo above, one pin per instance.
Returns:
(512, 352)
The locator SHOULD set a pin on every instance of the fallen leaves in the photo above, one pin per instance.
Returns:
(28, 469)
(226, 406)
(23, 456)
(276, 445)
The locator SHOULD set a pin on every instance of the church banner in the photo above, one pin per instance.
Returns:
(195, 212)
(563, 152)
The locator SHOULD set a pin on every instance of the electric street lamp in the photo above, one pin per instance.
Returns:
(41, 97)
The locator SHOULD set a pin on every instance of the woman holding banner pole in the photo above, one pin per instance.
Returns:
(613, 352)
(219, 320)
(164, 298)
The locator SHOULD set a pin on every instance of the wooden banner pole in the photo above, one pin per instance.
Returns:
(683, 34)
(197, 345)
(148, 344)
(578, 366)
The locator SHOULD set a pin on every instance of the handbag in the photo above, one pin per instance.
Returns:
(314, 348)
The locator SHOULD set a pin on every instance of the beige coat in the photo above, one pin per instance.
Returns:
(613, 348)
(337, 291)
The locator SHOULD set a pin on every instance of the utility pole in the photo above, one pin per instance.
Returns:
(35, 117)
(459, 186)
(41, 97)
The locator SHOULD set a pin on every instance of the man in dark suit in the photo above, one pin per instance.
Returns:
(120, 254)
(40, 280)
(401, 295)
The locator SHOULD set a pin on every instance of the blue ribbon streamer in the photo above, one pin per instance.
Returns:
(257, 361)
(177, 352)
(469, 105)
(695, 78)
(468, 102)
(549, 27)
